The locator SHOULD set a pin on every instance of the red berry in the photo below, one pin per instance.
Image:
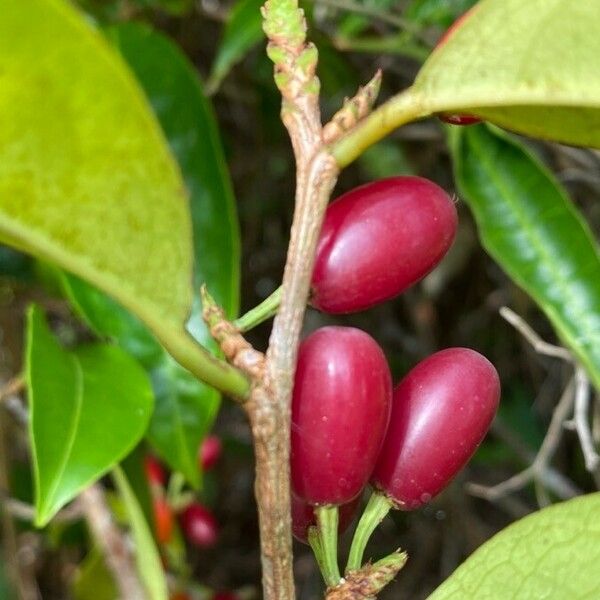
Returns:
(340, 412)
(459, 119)
(225, 596)
(155, 473)
(441, 411)
(379, 239)
(180, 596)
(303, 516)
(210, 452)
(199, 526)
(163, 520)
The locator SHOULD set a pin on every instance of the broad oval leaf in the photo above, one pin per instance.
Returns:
(86, 179)
(553, 553)
(529, 66)
(529, 226)
(88, 409)
(185, 408)
(243, 31)
(147, 557)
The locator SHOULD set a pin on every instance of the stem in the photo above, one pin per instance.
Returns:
(269, 407)
(327, 519)
(201, 363)
(265, 310)
(315, 543)
(376, 509)
(398, 110)
(367, 582)
(112, 542)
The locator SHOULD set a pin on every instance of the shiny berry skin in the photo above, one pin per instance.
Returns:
(340, 412)
(163, 520)
(441, 411)
(379, 239)
(199, 526)
(210, 452)
(303, 516)
(155, 472)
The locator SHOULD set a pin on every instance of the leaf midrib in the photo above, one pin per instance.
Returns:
(563, 284)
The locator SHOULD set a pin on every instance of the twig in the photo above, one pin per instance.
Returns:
(580, 419)
(577, 394)
(26, 512)
(538, 344)
(540, 464)
(112, 542)
(12, 387)
(374, 13)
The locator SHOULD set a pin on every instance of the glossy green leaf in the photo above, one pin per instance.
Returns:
(551, 554)
(86, 179)
(107, 318)
(528, 66)
(146, 553)
(88, 409)
(529, 226)
(185, 408)
(242, 32)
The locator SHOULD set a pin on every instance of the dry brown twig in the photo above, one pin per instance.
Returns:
(575, 397)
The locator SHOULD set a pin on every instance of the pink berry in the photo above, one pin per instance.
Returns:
(379, 239)
(199, 526)
(210, 452)
(440, 413)
(340, 412)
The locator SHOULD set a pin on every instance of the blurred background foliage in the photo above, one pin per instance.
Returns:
(250, 166)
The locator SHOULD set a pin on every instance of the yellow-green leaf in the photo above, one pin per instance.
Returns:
(531, 66)
(552, 554)
(86, 178)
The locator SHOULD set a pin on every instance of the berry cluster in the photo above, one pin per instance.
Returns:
(197, 521)
(349, 427)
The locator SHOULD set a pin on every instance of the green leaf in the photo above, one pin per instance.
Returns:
(86, 178)
(107, 318)
(553, 554)
(93, 580)
(185, 408)
(436, 12)
(529, 226)
(88, 409)
(242, 32)
(528, 66)
(353, 24)
(146, 554)
(187, 118)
